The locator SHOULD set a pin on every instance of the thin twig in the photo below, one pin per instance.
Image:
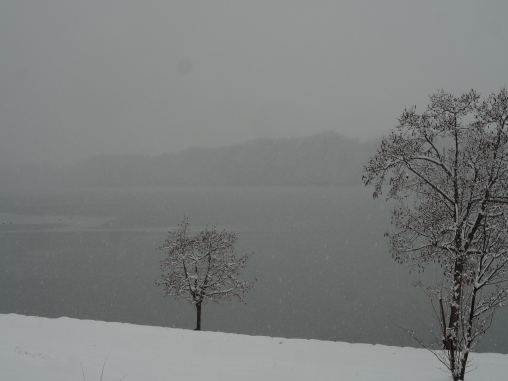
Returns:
(103, 366)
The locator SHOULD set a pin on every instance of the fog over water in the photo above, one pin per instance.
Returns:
(83, 78)
(102, 102)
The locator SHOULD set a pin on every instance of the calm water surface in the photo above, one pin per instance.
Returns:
(321, 262)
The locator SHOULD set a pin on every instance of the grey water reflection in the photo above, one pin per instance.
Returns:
(322, 265)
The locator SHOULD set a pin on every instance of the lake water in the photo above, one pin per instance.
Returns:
(322, 264)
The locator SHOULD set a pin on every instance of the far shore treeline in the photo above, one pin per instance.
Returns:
(323, 159)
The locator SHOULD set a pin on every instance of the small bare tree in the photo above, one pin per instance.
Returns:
(447, 171)
(202, 268)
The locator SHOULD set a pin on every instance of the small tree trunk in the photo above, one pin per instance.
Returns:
(198, 317)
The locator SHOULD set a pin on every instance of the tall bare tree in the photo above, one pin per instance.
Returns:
(447, 171)
(202, 268)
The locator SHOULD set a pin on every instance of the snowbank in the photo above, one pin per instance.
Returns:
(34, 348)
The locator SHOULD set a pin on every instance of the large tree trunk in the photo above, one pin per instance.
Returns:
(198, 317)
(455, 311)
(469, 339)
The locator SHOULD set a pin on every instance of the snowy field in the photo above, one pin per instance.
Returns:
(34, 348)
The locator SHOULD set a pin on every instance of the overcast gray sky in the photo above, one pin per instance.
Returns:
(79, 78)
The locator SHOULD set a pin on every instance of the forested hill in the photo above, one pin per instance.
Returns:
(323, 159)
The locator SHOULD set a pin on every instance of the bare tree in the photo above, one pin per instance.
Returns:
(202, 268)
(447, 172)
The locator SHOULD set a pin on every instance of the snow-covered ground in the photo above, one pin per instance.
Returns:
(34, 348)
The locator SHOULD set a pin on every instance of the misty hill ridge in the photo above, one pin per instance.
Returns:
(324, 159)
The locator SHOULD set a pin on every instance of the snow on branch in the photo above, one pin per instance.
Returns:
(202, 267)
(446, 169)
